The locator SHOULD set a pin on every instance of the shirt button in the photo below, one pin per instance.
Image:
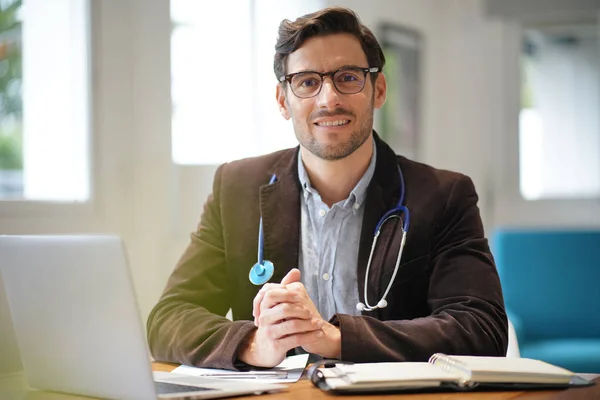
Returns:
(326, 276)
(356, 206)
(322, 212)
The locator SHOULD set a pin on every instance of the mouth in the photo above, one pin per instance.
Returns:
(339, 122)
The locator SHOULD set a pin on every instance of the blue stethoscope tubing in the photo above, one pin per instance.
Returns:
(395, 212)
(263, 270)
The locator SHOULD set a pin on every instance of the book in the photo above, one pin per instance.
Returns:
(443, 373)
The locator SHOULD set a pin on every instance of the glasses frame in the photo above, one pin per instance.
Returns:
(288, 78)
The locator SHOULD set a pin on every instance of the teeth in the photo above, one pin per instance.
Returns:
(333, 123)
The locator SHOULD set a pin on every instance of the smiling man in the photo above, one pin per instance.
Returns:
(424, 283)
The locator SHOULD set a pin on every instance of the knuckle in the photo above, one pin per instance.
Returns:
(265, 301)
(295, 324)
(262, 320)
(295, 286)
(268, 296)
(269, 286)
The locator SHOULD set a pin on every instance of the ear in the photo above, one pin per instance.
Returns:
(281, 101)
(380, 90)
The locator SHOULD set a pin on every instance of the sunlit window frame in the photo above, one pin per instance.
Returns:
(49, 208)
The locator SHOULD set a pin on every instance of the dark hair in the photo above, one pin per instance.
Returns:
(324, 22)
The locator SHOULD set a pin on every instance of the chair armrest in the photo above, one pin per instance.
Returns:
(516, 334)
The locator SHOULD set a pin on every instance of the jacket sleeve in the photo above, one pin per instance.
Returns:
(188, 323)
(467, 314)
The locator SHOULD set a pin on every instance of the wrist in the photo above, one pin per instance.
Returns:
(334, 336)
(246, 350)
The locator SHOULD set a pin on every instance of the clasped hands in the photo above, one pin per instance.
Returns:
(286, 318)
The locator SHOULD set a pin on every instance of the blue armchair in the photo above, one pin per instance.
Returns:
(551, 285)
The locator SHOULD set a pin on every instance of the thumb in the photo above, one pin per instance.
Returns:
(291, 277)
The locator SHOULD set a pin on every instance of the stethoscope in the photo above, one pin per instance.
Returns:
(262, 271)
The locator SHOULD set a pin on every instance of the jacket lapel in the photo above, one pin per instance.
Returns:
(280, 210)
(382, 195)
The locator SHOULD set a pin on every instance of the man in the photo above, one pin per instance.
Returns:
(318, 206)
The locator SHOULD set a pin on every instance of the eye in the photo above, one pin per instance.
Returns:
(309, 81)
(348, 77)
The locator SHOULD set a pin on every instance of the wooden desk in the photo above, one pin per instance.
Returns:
(304, 389)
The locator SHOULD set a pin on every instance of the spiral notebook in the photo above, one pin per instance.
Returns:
(443, 373)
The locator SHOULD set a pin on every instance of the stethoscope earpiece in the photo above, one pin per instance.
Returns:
(362, 307)
(261, 273)
(382, 303)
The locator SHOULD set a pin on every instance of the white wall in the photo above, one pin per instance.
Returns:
(10, 360)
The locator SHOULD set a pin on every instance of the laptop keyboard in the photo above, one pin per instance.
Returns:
(166, 388)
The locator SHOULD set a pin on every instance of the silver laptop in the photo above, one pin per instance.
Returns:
(77, 323)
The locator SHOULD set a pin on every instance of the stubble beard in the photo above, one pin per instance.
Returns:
(338, 151)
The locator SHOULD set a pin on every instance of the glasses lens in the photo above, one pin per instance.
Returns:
(349, 80)
(305, 84)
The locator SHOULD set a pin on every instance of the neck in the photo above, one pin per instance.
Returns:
(335, 179)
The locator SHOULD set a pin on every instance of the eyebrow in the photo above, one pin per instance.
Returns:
(342, 67)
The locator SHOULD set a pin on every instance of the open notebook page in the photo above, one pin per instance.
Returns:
(515, 370)
(408, 373)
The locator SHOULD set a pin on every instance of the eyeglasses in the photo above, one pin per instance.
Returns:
(348, 80)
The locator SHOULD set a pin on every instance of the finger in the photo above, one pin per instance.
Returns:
(293, 327)
(297, 287)
(284, 311)
(256, 305)
(292, 276)
(299, 339)
(258, 298)
(268, 286)
(276, 296)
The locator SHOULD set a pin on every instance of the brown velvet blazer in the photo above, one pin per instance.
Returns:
(446, 297)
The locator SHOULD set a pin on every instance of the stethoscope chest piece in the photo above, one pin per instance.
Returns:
(261, 273)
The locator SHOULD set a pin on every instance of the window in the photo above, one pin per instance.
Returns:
(223, 85)
(559, 134)
(11, 134)
(44, 106)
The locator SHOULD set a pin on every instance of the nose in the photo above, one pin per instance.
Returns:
(328, 97)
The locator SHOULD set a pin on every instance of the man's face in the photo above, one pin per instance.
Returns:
(331, 125)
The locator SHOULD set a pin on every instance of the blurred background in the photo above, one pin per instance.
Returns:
(115, 114)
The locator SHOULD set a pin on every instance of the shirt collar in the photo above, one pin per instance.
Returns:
(357, 195)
